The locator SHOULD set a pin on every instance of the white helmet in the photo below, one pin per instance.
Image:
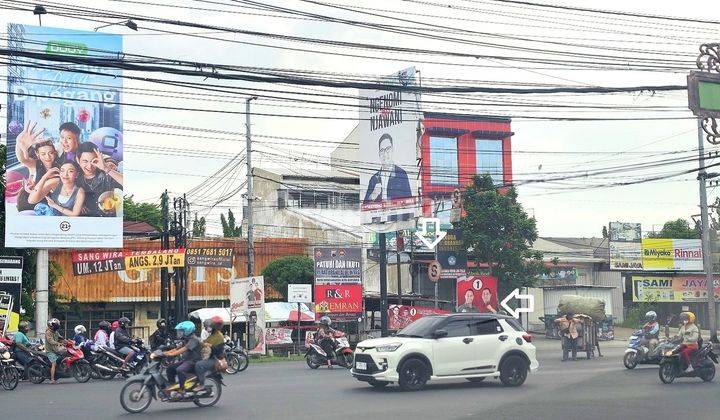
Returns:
(650, 316)
(80, 329)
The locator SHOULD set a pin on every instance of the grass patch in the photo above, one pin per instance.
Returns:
(271, 359)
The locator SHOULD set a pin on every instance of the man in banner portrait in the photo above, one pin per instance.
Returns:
(391, 181)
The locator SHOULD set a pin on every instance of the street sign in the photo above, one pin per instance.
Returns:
(299, 293)
(704, 94)
(434, 271)
(515, 313)
(423, 232)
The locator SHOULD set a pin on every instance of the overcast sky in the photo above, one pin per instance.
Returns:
(561, 208)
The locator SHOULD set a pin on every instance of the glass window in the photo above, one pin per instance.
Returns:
(443, 161)
(515, 324)
(489, 159)
(458, 328)
(486, 327)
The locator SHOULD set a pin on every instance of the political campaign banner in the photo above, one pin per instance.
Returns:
(672, 254)
(247, 297)
(10, 290)
(155, 258)
(342, 302)
(477, 294)
(65, 141)
(388, 128)
(338, 266)
(278, 336)
(625, 249)
(209, 257)
(400, 316)
(672, 289)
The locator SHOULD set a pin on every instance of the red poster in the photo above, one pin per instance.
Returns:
(340, 301)
(400, 316)
(477, 294)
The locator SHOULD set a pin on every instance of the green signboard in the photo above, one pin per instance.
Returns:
(704, 94)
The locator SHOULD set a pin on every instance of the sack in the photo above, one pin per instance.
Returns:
(592, 307)
(221, 365)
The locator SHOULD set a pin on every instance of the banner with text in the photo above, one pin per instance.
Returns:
(157, 258)
(625, 246)
(400, 316)
(277, 336)
(11, 284)
(477, 294)
(672, 254)
(342, 302)
(672, 289)
(209, 257)
(338, 266)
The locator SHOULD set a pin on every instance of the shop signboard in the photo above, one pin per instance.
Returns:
(672, 254)
(559, 276)
(342, 302)
(672, 289)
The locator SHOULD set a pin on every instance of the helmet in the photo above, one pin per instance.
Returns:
(124, 322)
(650, 316)
(54, 324)
(186, 328)
(216, 323)
(104, 325)
(161, 324)
(114, 326)
(691, 317)
(23, 327)
(80, 329)
(325, 320)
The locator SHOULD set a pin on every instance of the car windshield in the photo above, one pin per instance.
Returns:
(421, 328)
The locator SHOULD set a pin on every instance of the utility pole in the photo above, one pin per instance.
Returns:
(250, 197)
(399, 244)
(383, 286)
(42, 284)
(705, 225)
(164, 244)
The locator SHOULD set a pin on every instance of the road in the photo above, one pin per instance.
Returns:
(585, 389)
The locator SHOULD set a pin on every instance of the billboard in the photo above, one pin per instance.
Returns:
(388, 132)
(338, 266)
(11, 284)
(672, 254)
(625, 247)
(65, 142)
(247, 296)
(400, 316)
(452, 255)
(477, 294)
(672, 289)
(278, 336)
(341, 302)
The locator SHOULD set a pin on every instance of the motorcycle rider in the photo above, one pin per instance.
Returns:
(325, 337)
(101, 335)
(216, 342)
(114, 326)
(53, 347)
(689, 333)
(22, 344)
(191, 351)
(79, 337)
(160, 336)
(651, 330)
(123, 341)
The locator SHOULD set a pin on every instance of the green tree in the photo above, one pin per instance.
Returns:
(198, 227)
(499, 233)
(677, 229)
(230, 230)
(288, 270)
(142, 212)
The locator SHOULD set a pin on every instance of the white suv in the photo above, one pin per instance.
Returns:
(457, 346)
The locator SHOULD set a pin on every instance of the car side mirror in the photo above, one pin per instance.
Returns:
(440, 334)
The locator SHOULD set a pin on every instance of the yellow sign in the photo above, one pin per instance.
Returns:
(657, 254)
(165, 258)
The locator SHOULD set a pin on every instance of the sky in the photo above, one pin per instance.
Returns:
(541, 149)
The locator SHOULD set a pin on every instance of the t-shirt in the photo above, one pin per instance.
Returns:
(94, 187)
(217, 343)
(194, 349)
(20, 338)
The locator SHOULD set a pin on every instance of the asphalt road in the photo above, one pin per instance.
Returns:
(585, 389)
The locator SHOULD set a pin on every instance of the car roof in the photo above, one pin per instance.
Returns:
(473, 315)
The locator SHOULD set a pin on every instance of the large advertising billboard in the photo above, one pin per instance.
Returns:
(672, 254)
(388, 151)
(65, 142)
(672, 289)
(338, 266)
(625, 246)
(247, 297)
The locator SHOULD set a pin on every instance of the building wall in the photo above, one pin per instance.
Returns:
(348, 150)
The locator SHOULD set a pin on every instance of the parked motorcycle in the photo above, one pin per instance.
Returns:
(72, 364)
(315, 356)
(9, 374)
(139, 390)
(237, 357)
(673, 366)
(639, 353)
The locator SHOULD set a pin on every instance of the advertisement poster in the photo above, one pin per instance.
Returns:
(10, 286)
(156, 258)
(342, 302)
(388, 147)
(277, 336)
(672, 289)
(338, 266)
(451, 255)
(209, 257)
(64, 143)
(559, 276)
(625, 246)
(477, 294)
(93, 262)
(400, 316)
(672, 254)
(247, 296)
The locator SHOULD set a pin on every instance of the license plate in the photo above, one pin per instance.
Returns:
(360, 365)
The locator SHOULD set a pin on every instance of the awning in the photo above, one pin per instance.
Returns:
(207, 313)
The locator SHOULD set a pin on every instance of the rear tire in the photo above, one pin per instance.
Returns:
(414, 374)
(82, 372)
(233, 363)
(708, 374)
(130, 394)
(630, 360)
(310, 360)
(668, 372)
(216, 390)
(36, 373)
(244, 362)
(513, 371)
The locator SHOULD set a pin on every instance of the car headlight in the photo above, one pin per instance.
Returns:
(385, 348)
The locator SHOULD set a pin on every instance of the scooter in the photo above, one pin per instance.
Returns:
(9, 374)
(72, 364)
(139, 390)
(673, 366)
(638, 353)
(315, 356)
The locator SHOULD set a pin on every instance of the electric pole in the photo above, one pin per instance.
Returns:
(250, 198)
(164, 244)
(42, 285)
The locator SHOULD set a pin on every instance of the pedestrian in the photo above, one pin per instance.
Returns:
(569, 325)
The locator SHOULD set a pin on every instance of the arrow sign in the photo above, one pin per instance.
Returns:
(515, 313)
(439, 234)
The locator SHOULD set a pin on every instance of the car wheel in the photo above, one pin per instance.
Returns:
(513, 371)
(378, 384)
(414, 373)
(476, 380)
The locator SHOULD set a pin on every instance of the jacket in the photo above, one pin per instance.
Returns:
(571, 326)
(52, 341)
(122, 338)
(398, 185)
(689, 333)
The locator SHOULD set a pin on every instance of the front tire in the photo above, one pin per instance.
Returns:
(668, 372)
(216, 391)
(414, 374)
(36, 373)
(10, 377)
(310, 360)
(630, 360)
(133, 398)
(514, 371)
(708, 374)
(82, 372)
(244, 361)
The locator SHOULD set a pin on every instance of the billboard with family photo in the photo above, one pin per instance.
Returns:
(64, 141)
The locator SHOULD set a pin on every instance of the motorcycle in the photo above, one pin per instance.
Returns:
(139, 390)
(673, 366)
(73, 363)
(638, 353)
(236, 356)
(9, 374)
(315, 356)
(108, 362)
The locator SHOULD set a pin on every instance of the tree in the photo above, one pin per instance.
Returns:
(498, 232)
(282, 271)
(228, 226)
(198, 227)
(142, 212)
(677, 229)
(605, 232)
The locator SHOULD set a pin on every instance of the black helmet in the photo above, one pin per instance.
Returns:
(23, 327)
(54, 324)
(104, 325)
(161, 324)
(124, 322)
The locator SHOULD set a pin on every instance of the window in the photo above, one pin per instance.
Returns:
(458, 328)
(515, 324)
(487, 327)
(443, 161)
(489, 159)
